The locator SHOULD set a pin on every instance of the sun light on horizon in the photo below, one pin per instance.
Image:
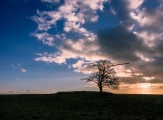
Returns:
(144, 85)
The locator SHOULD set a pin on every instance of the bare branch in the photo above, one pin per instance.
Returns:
(105, 74)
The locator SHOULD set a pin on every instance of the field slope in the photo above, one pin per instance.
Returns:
(81, 106)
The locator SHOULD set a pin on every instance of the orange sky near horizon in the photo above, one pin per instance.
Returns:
(139, 91)
(142, 88)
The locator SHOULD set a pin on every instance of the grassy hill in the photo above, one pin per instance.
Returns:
(81, 106)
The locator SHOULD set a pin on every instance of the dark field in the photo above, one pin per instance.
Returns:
(81, 106)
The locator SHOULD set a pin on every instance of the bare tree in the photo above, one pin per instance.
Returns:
(104, 75)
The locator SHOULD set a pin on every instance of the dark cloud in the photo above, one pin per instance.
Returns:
(149, 70)
(119, 43)
(123, 45)
(159, 45)
(132, 80)
(122, 11)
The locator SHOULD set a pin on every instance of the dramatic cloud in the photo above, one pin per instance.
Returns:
(140, 45)
(119, 43)
(131, 32)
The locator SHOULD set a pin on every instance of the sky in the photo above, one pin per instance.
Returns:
(45, 44)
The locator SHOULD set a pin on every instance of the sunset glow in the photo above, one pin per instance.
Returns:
(144, 85)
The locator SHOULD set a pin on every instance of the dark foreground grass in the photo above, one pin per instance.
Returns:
(81, 106)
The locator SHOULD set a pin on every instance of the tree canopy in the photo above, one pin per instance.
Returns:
(103, 74)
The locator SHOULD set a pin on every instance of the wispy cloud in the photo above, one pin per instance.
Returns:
(18, 67)
(51, 1)
(15, 91)
(23, 70)
(13, 67)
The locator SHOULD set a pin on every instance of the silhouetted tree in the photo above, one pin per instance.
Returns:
(103, 75)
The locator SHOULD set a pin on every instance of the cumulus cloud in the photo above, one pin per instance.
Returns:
(119, 43)
(80, 49)
(140, 45)
(75, 13)
(45, 38)
(149, 19)
(136, 36)
(134, 4)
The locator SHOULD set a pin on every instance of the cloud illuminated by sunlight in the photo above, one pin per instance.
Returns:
(148, 78)
(136, 39)
(144, 85)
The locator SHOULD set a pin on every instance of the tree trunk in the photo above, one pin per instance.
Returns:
(100, 87)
